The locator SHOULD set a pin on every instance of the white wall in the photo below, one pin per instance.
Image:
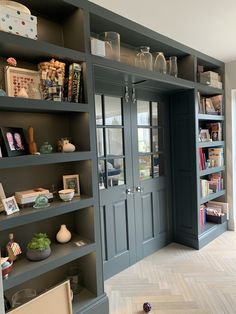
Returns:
(230, 111)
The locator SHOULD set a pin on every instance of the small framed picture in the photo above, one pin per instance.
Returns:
(72, 182)
(0, 152)
(18, 78)
(10, 205)
(14, 141)
(204, 135)
(2, 196)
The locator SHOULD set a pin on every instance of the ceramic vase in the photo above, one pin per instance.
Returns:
(63, 235)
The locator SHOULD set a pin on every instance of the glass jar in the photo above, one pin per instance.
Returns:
(46, 148)
(173, 66)
(144, 58)
(160, 63)
(112, 45)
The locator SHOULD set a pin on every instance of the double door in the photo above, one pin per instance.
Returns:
(133, 167)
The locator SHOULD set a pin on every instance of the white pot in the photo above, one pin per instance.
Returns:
(63, 235)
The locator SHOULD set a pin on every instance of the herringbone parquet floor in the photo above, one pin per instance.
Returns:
(179, 280)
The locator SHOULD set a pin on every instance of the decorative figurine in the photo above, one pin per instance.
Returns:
(147, 307)
(32, 145)
(46, 148)
(13, 248)
(68, 148)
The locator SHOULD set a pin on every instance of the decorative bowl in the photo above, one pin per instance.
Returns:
(66, 194)
(6, 270)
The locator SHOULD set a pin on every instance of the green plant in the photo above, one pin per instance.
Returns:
(40, 241)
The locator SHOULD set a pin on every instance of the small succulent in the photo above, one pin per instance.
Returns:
(40, 241)
(147, 307)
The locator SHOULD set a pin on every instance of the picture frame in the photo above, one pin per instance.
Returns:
(13, 140)
(204, 135)
(72, 182)
(2, 196)
(10, 205)
(18, 78)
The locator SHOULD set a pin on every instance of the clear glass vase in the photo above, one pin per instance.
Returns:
(160, 63)
(144, 58)
(173, 66)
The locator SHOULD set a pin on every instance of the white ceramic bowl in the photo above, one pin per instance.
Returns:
(67, 194)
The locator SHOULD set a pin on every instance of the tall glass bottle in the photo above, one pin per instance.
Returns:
(160, 63)
(173, 66)
(144, 58)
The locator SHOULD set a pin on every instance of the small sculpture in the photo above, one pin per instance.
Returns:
(13, 248)
(63, 235)
(46, 148)
(32, 145)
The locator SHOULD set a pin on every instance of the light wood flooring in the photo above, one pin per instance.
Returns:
(179, 280)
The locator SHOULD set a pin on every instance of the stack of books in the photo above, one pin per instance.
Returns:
(27, 198)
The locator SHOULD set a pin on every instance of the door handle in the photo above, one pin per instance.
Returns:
(139, 189)
(130, 191)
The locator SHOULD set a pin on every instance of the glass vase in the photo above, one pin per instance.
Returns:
(160, 63)
(173, 66)
(144, 58)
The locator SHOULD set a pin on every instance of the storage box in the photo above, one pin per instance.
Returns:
(17, 22)
(216, 219)
(209, 78)
(98, 47)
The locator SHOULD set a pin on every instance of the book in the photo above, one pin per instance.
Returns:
(31, 193)
(26, 200)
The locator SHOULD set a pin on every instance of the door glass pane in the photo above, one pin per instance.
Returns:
(114, 141)
(158, 165)
(144, 144)
(113, 111)
(154, 113)
(145, 167)
(100, 142)
(157, 138)
(143, 113)
(101, 174)
(98, 106)
(115, 171)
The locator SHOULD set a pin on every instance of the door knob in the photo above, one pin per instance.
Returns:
(129, 191)
(139, 189)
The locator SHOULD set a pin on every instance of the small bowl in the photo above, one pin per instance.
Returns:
(67, 194)
(7, 270)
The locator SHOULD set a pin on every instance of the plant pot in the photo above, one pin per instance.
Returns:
(38, 255)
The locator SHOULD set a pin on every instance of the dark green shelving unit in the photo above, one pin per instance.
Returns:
(53, 120)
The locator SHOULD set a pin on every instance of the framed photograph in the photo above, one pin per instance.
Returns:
(14, 141)
(0, 152)
(204, 135)
(72, 182)
(2, 196)
(18, 78)
(10, 205)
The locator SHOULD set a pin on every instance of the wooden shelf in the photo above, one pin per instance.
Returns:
(211, 196)
(36, 105)
(57, 207)
(24, 270)
(43, 159)
(211, 144)
(207, 90)
(104, 69)
(202, 116)
(32, 50)
(211, 170)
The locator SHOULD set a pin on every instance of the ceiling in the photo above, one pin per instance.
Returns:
(205, 25)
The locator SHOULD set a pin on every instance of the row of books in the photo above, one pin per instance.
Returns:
(213, 184)
(211, 157)
(213, 209)
(210, 105)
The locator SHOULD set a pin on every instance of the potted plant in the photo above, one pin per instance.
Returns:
(39, 247)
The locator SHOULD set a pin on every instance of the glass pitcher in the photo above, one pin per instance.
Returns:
(144, 58)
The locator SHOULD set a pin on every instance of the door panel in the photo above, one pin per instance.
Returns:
(132, 164)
